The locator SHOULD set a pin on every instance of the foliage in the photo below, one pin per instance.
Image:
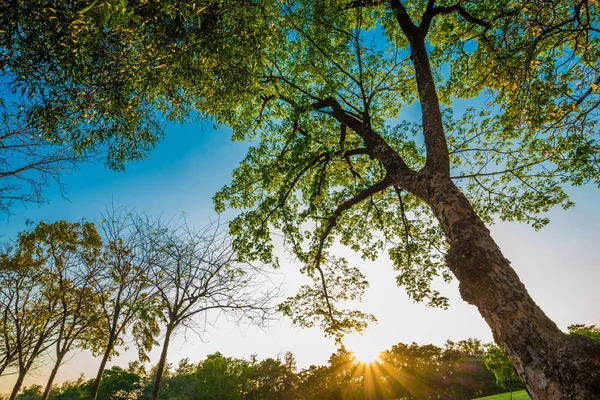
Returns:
(497, 361)
(97, 80)
(94, 75)
(404, 371)
(119, 384)
(63, 286)
(591, 331)
(47, 297)
(33, 392)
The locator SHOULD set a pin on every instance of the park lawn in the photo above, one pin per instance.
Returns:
(520, 395)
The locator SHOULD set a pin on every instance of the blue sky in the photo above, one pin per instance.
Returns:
(559, 265)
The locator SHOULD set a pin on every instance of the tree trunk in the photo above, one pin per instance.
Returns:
(57, 364)
(25, 366)
(552, 364)
(96, 386)
(18, 384)
(161, 363)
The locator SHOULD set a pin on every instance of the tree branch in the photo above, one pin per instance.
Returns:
(456, 8)
(366, 193)
(408, 27)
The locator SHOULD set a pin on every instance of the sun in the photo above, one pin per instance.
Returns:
(366, 354)
(366, 347)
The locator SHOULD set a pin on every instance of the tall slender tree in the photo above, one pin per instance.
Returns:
(125, 291)
(72, 268)
(8, 295)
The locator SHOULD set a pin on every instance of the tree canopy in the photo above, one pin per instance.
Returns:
(285, 72)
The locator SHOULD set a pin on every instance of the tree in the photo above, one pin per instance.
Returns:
(322, 84)
(125, 291)
(506, 376)
(33, 392)
(70, 252)
(28, 313)
(220, 377)
(334, 76)
(119, 384)
(464, 373)
(8, 297)
(72, 390)
(195, 273)
(183, 384)
(48, 292)
(271, 379)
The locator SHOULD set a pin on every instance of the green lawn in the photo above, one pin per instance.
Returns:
(520, 395)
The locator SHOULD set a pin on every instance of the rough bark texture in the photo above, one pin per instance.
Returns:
(552, 364)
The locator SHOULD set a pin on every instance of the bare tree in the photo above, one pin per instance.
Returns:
(125, 291)
(196, 273)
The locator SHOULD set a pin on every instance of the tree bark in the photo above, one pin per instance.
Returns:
(552, 364)
(57, 364)
(161, 363)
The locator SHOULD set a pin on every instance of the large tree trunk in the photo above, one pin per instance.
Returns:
(161, 363)
(552, 364)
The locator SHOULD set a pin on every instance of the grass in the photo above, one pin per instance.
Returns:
(520, 395)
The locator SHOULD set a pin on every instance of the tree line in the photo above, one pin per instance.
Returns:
(67, 286)
(459, 370)
(406, 371)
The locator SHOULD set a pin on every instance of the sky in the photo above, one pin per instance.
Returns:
(558, 265)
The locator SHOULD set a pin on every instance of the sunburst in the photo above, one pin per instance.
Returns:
(366, 354)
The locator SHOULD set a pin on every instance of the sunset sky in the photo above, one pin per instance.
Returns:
(559, 265)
